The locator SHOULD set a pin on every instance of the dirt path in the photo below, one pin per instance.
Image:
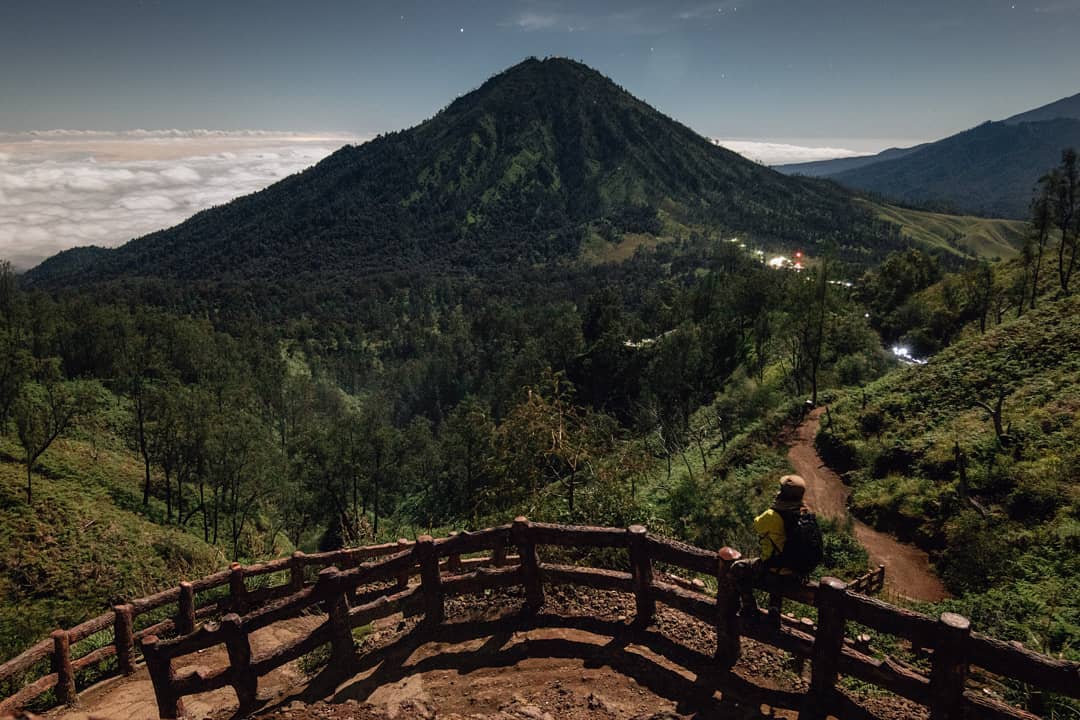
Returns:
(907, 568)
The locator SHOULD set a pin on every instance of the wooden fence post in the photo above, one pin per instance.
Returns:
(728, 645)
(403, 577)
(244, 681)
(430, 580)
(498, 550)
(162, 676)
(950, 667)
(806, 625)
(530, 566)
(642, 572)
(124, 638)
(61, 663)
(342, 646)
(296, 571)
(828, 644)
(185, 617)
(453, 562)
(237, 589)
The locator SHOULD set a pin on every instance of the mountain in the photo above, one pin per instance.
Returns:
(989, 170)
(515, 173)
(825, 168)
(1065, 108)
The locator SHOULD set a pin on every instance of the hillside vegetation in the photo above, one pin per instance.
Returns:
(963, 235)
(989, 170)
(85, 543)
(998, 507)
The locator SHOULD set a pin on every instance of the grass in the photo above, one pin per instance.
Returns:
(83, 544)
(596, 250)
(960, 235)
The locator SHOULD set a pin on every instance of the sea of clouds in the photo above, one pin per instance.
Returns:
(779, 153)
(66, 188)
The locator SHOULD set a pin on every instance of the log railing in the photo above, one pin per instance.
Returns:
(442, 573)
(871, 583)
(57, 649)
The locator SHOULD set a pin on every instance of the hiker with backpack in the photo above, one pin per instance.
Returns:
(790, 543)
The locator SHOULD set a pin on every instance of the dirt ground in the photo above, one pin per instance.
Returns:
(584, 661)
(580, 658)
(907, 568)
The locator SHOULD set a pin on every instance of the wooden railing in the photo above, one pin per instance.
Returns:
(870, 583)
(953, 647)
(121, 621)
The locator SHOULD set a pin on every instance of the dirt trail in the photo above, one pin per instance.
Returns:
(907, 568)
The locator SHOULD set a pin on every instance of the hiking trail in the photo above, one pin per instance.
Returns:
(907, 568)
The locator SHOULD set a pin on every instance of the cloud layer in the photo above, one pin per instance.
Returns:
(774, 153)
(63, 188)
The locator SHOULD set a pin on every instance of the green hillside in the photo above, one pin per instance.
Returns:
(962, 235)
(1001, 515)
(83, 544)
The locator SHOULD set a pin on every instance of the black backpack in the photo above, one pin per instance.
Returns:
(803, 549)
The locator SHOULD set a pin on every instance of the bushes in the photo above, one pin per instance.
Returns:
(836, 452)
(845, 556)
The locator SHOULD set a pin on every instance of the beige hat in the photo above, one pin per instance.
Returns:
(792, 490)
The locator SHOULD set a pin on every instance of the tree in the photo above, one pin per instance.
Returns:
(979, 283)
(240, 467)
(814, 337)
(15, 356)
(467, 441)
(140, 364)
(45, 408)
(1035, 244)
(1065, 187)
(808, 308)
(547, 442)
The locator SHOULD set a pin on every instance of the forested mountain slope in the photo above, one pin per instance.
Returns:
(995, 499)
(517, 172)
(989, 170)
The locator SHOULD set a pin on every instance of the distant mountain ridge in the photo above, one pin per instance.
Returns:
(988, 170)
(825, 168)
(1065, 108)
(516, 172)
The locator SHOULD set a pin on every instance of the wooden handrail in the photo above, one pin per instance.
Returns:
(955, 648)
(187, 614)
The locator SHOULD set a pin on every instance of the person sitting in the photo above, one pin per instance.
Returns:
(790, 545)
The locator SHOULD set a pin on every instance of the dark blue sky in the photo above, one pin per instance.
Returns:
(763, 69)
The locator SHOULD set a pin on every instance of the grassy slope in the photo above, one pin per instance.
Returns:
(1010, 544)
(958, 235)
(986, 237)
(83, 543)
